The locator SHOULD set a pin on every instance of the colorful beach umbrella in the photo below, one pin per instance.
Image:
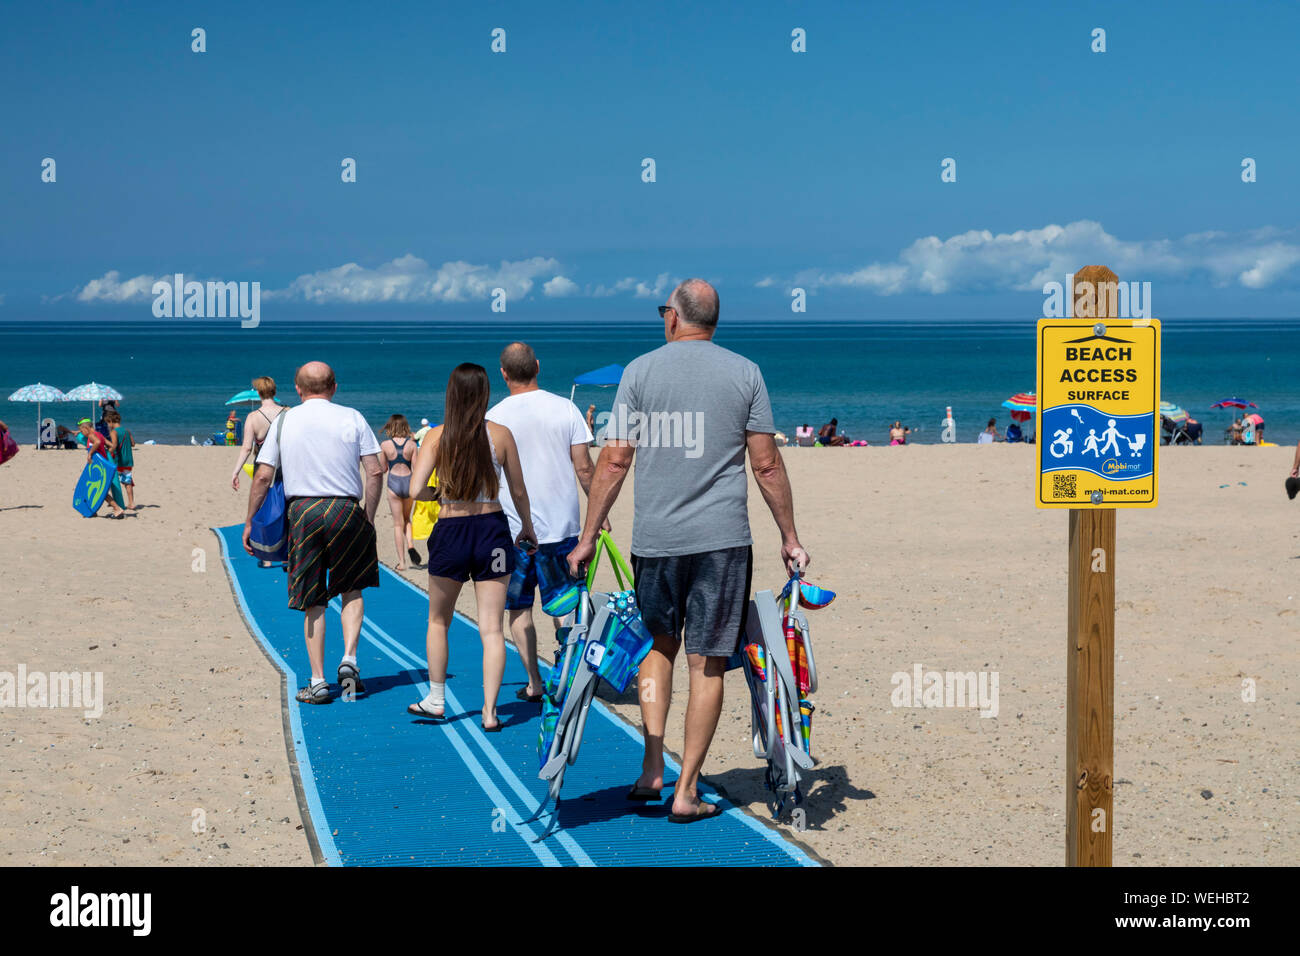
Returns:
(1022, 405)
(1175, 413)
(93, 392)
(39, 394)
(1234, 403)
(247, 395)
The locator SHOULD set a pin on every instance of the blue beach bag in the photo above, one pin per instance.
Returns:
(269, 535)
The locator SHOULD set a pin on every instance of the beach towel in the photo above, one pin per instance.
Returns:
(425, 514)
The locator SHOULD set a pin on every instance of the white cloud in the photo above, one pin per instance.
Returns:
(980, 260)
(559, 288)
(411, 279)
(110, 288)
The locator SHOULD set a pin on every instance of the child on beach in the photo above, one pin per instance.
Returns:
(120, 445)
(97, 444)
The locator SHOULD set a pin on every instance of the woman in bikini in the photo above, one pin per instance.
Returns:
(257, 426)
(396, 451)
(472, 536)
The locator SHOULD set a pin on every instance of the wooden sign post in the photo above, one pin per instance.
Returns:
(1098, 449)
(1090, 657)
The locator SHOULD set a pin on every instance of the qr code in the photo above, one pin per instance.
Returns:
(1063, 486)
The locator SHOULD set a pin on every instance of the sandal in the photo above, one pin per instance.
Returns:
(642, 793)
(698, 815)
(349, 672)
(415, 557)
(318, 694)
(522, 694)
(419, 710)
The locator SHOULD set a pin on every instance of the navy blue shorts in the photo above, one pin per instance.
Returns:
(548, 566)
(472, 546)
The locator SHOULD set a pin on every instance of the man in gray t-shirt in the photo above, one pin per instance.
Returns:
(688, 412)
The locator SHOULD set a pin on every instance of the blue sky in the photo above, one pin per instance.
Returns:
(774, 168)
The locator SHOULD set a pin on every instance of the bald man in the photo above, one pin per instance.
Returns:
(689, 411)
(554, 455)
(321, 449)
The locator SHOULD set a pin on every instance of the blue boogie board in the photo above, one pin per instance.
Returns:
(92, 486)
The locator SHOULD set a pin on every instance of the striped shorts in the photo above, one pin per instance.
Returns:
(331, 550)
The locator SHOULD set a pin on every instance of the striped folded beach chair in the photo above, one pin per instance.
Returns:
(604, 640)
(781, 672)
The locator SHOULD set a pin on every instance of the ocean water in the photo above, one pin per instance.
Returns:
(176, 376)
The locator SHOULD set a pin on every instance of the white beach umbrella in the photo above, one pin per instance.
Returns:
(38, 393)
(93, 392)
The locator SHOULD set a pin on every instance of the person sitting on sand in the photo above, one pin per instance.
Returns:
(120, 448)
(990, 434)
(1014, 433)
(97, 444)
(395, 453)
(826, 435)
(898, 434)
(1234, 432)
(8, 447)
(257, 425)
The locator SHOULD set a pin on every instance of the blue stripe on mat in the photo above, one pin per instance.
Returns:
(383, 788)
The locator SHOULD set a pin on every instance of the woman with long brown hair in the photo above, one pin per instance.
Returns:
(472, 536)
(396, 452)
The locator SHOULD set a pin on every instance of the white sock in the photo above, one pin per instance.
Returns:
(349, 659)
(317, 681)
(437, 695)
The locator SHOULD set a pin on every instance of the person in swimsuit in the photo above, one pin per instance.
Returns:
(395, 452)
(257, 425)
(97, 444)
(472, 536)
(898, 434)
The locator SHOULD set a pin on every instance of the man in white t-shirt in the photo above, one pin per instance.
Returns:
(321, 449)
(553, 441)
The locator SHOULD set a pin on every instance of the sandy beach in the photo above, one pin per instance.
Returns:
(939, 559)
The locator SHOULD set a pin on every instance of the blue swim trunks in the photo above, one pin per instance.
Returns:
(548, 569)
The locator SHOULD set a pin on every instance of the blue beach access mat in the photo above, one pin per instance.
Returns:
(380, 787)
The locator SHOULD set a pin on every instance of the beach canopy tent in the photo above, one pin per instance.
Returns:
(39, 394)
(93, 392)
(248, 395)
(601, 378)
(1022, 405)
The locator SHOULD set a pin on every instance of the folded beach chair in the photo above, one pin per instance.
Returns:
(781, 673)
(606, 639)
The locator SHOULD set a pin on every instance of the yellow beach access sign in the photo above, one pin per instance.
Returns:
(1098, 416)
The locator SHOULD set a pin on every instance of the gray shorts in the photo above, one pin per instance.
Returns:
(707, 594)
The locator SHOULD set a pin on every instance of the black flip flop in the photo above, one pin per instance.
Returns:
(643, 793)
(417, 709)
(415, 558)
(496, 729)
(522, 694)
(695, 817)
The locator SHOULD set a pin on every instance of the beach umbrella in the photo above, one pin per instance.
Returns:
(38, 393)
(600, 377)
(1234, 403)
(247, 395)
(1022, 405)
(93, 392)
(1175, 413)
